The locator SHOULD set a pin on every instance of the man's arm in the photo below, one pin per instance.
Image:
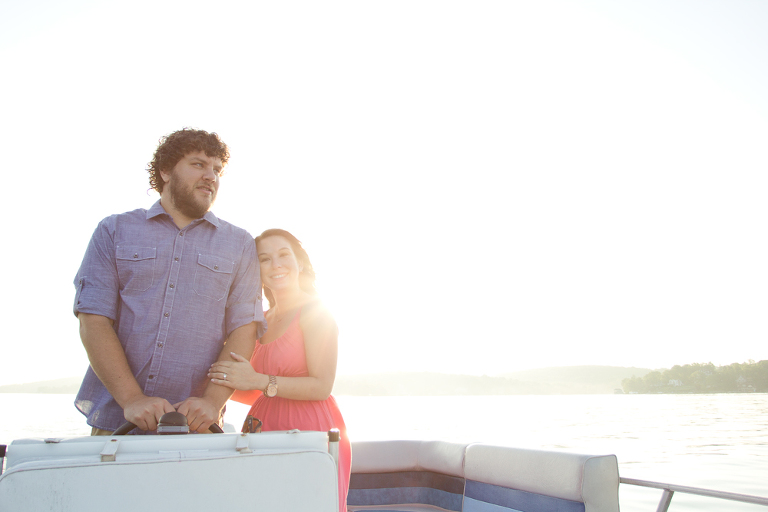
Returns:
(108, 360)
(202, 412)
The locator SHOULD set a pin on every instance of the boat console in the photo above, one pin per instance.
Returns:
(290, 471)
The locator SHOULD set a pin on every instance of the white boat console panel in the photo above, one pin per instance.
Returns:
(281, 471)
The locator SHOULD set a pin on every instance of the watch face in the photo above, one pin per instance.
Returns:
(271, 390)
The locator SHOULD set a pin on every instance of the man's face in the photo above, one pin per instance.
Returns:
(194, 183)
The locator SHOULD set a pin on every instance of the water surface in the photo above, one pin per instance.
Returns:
(714, 441)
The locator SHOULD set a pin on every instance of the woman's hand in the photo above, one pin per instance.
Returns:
(237, 374)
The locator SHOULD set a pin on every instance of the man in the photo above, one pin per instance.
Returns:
(160, 292)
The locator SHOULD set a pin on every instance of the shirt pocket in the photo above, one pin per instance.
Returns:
(135, 267)
(213, 276)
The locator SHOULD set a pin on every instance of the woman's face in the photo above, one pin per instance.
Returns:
(279, 267)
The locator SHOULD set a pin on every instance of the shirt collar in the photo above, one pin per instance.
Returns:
(157, 209)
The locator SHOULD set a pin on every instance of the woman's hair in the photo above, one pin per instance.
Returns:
(307, 275)
(179, 144)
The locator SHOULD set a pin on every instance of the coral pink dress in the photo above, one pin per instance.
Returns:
(285, 357)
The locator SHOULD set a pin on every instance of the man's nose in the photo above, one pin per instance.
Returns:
(209, 174)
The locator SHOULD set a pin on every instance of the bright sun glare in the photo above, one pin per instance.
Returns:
(483, 187)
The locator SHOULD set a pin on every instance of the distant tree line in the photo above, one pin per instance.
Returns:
(702, 378)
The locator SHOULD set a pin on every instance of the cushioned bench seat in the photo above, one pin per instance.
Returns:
(407, 476)
(420, 476)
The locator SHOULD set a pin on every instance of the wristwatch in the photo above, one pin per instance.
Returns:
(271, 390)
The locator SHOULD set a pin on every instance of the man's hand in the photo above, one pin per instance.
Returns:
(201, 413)
(145, 411)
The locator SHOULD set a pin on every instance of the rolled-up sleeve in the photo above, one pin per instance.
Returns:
(244, 302)
(96, 282)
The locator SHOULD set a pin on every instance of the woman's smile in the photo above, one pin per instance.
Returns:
(279, 267)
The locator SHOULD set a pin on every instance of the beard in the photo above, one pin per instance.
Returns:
(185, 200)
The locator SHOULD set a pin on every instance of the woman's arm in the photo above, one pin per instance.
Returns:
(321, 348)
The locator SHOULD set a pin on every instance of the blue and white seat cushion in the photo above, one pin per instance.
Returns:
(483, 497)
(444, 492)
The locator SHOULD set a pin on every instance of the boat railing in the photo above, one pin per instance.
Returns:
(670, 489)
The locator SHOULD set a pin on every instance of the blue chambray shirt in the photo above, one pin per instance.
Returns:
(174, 295)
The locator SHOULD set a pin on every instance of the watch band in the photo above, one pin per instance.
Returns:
(271, 389)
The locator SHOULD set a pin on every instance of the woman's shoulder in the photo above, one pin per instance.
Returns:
(315, 314)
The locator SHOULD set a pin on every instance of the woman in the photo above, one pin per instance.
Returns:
(291, 373)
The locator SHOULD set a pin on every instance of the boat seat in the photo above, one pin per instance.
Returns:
(408, 476)
(515, 479)
(421, 476)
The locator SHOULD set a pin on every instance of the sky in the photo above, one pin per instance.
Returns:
(483, 187)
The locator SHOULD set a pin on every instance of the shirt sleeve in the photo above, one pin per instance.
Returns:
(96, 282)
(244, 300)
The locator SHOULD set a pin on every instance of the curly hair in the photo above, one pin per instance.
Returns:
(307, 275)
(177, 145)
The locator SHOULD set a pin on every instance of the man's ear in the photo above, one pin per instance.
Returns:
(166, 175)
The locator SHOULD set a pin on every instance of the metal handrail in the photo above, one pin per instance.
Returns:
(671, 489)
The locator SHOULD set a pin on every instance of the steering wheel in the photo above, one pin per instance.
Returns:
(174, 421)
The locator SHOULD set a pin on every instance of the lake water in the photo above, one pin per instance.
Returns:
(713, 441)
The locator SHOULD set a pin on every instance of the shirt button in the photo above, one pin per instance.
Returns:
(215, 267)
(135, 255)
(166, 315)
(175, 259)
(151, 377)
(181, 233)
(160, 344)
(171, 286)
